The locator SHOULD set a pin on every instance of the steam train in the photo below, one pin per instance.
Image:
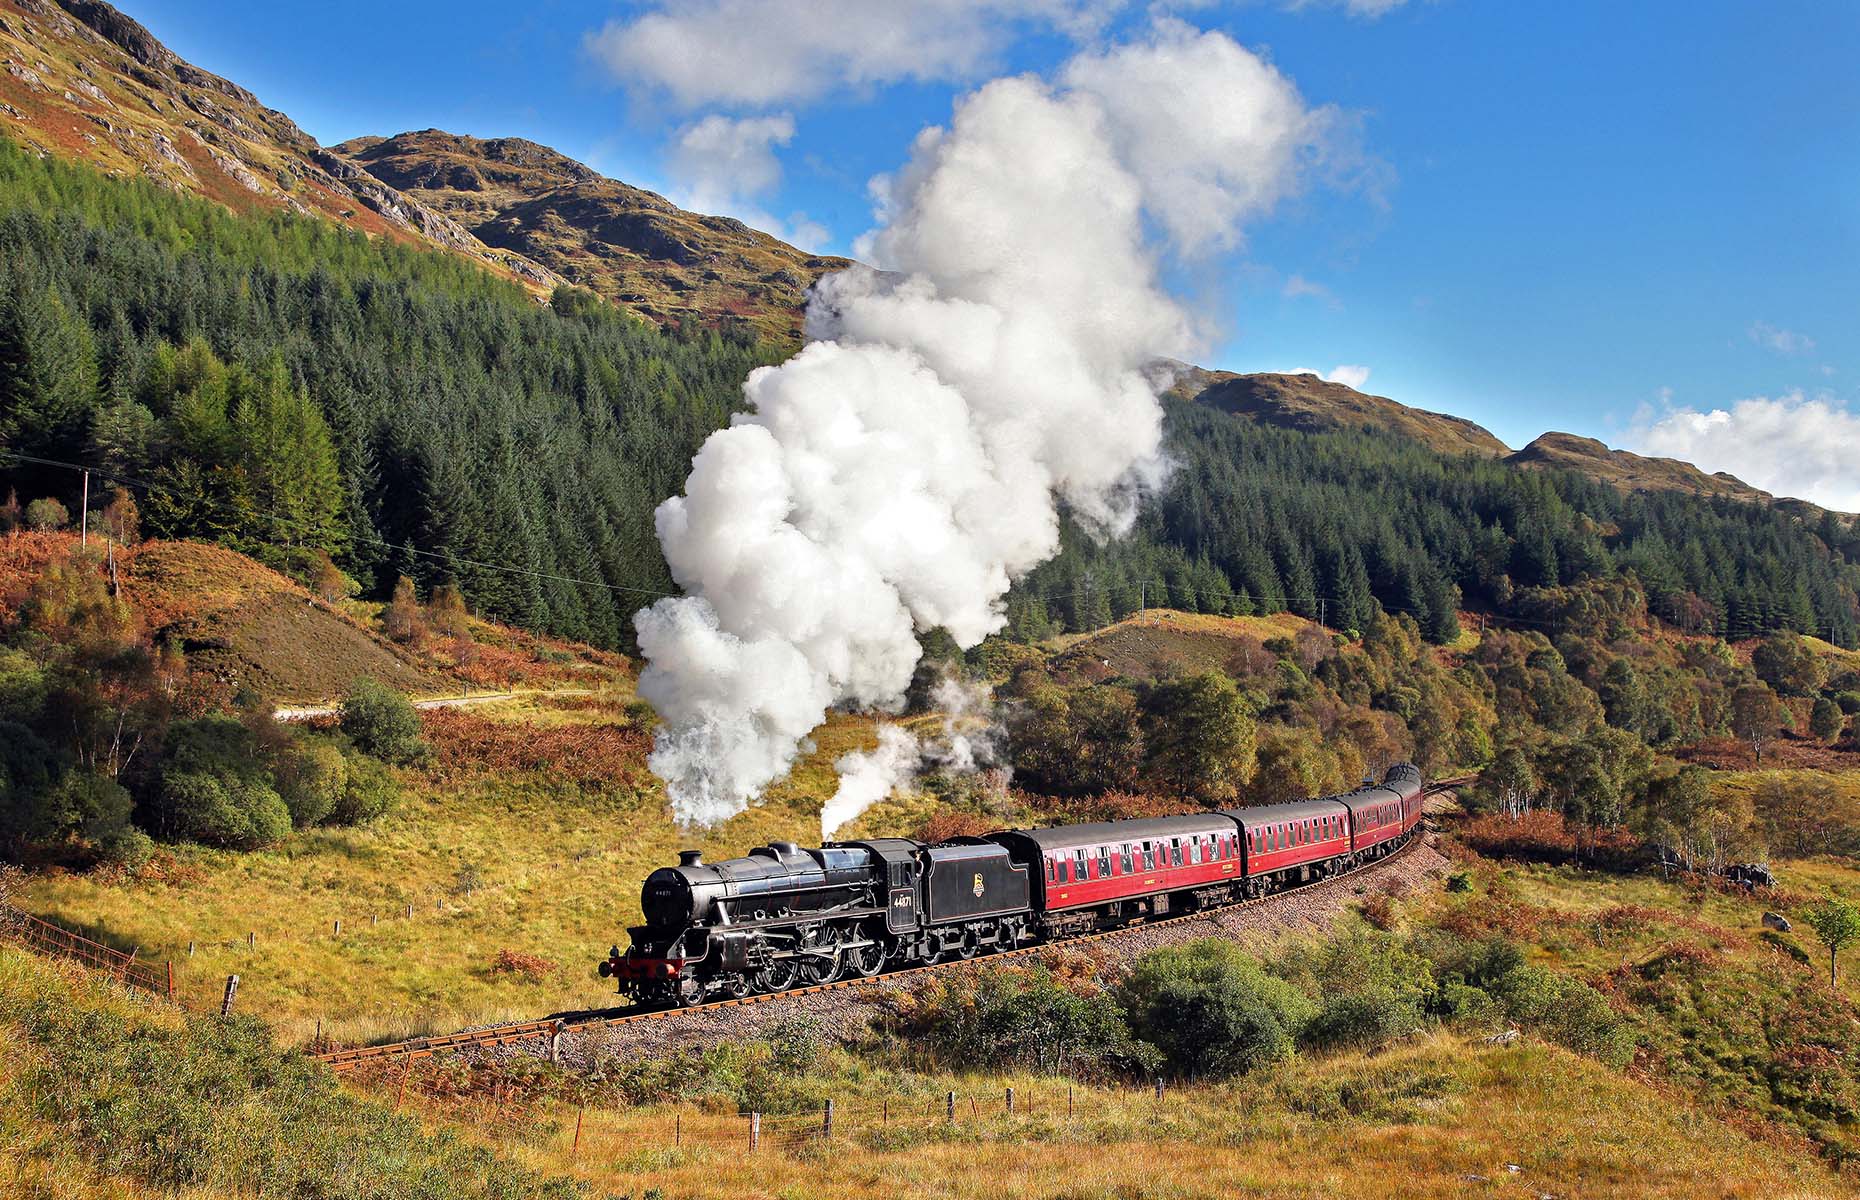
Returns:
(785, 917)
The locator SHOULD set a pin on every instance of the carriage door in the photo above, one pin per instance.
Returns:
(901, 912)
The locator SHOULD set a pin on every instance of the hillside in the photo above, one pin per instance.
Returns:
(1635, 472)
(85, 82)
(1311, 404)
(629, 245)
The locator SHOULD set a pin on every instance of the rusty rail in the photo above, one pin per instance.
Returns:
(500, 1035)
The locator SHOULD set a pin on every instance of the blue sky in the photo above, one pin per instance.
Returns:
(1636, 221)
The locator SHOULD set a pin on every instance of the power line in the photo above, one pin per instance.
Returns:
(446, 557)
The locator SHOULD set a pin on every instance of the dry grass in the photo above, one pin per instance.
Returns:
(1437, 1117)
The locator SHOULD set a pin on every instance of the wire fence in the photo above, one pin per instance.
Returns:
(596, 1130)
(129, 969)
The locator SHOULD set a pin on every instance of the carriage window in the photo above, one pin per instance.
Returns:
(1065, 872)
(1052, 870)
(1104, 862)
(1078, 858)
(1175, 852)
(1123, 860)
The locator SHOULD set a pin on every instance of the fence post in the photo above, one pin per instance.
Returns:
(410, 912)
(232, 989)
(678, 1128)
(755, 1131)
(1159, 1089)
(338, 926)
(251, 940)
(950, 1111)
(575, 1150)
(826, 1121)
(1010, 1102)
(190, 949)
(1068, 1099)
(171, 981)
(884, 1111)
(555, 1043)
(374, 919)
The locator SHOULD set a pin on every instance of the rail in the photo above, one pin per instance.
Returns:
(550, 1027)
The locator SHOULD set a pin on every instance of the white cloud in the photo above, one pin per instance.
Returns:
(720, 158)
(1792, 445)
(1783, 341)
(760, 53)
(1349, 375)
(725, 165)
(1356, 8)
(1298, 285)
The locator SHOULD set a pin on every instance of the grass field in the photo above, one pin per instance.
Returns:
(533, 861)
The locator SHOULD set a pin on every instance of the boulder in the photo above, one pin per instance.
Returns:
(1776, 921)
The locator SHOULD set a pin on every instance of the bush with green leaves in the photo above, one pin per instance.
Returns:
(382, 722)
(1375, 988)
(1567, 1011)
(369, 789)
(312, 774)
(1211, 1009)
(1026, 1017)
(214, 787)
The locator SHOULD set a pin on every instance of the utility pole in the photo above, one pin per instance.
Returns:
(1320, 610)
(84, 514)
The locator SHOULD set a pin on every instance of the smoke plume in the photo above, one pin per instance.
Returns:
(906, 466)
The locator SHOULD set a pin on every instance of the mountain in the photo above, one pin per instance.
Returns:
(81, 80)
(627, 244)
(1638, 473)
(1308, 403)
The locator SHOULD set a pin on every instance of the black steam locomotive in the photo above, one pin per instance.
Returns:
(784, 917)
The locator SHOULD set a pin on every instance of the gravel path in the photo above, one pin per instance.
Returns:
(844, 1014)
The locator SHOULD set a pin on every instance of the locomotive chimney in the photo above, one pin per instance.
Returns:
(690, 858)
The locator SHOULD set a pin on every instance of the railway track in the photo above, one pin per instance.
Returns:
(564, 1023)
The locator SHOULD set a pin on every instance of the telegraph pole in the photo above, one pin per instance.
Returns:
(84, 514)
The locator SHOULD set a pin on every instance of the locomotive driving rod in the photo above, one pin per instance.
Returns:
(519, 1031)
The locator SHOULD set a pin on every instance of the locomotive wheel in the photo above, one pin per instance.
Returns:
(867, 960)
(778, 976)
(736, 987)
(967, 947)
(687, 993)
(820, 968)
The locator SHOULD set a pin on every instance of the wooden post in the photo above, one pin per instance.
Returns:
(410, 912)
(84, 514)
(190, 949)
(1068, 1099)
(755, 1131)
(826, 1121)
(402, 1093)
(171, 980)
(251, 940)
(950, 1111)
(338, 926)
(1010, 1102)
(575, 1150)
(1159, 1089)
(884, 1111)
(232, 989)
(555, 1042)
(678, 1128)
(374, 919)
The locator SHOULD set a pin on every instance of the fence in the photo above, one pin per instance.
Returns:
(47, 938)
(530, 1112)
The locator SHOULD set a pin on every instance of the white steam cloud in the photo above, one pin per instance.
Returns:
(970, 741)
(901, 470)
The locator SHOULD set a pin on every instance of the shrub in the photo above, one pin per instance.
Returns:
(369, 790)
(1211, 1009)
(1566, 1011)
(128, 848)
(43, 516)
(382, 722)
(1023, 1017)
(1460, 881)
(214, 787)
(1376, 988)
(312, 777)
(515, 962)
